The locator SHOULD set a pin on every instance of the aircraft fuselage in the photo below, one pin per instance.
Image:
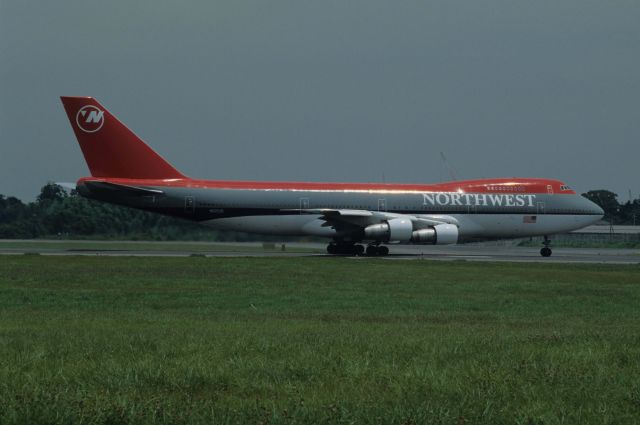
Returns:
(482, 209)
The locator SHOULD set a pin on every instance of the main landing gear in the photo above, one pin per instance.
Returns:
(546, 251)
(377, 250)
(345, 249)
(354, 249)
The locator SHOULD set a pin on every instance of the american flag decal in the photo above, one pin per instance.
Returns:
(529, 219)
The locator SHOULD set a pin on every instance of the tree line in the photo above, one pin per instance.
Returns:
(617, 213)
(56, 213)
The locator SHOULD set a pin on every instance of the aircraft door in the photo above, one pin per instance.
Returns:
(540, 207)
(382, 204)
(189, 205)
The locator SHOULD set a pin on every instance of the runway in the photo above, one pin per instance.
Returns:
(470, 252)
(518, 254)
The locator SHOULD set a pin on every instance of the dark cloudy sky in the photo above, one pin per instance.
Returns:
(330, 90)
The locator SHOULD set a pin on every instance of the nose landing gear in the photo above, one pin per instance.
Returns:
(546, 251)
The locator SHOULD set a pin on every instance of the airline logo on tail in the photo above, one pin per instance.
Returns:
(90, 119)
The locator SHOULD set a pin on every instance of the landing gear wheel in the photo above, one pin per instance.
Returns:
(373, 250)
(545, 252)
(345, 249)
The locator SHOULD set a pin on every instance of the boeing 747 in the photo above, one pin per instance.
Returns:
(357, 218)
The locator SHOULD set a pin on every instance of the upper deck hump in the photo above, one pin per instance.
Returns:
(501, 185)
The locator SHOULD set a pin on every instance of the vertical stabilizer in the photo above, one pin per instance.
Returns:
(109, 147)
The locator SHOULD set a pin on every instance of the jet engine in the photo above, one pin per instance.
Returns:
(401, 230)
(396, 229)
(440, 234)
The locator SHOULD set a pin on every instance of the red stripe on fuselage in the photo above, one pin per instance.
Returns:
(507, 185)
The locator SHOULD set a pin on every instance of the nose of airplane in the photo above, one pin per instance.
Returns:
(593, 209)
(596, 209)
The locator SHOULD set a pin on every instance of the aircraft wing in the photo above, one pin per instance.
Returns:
(328, 212)
(428, 220)
(362, 218)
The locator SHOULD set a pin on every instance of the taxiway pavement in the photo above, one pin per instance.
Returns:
(470, 252)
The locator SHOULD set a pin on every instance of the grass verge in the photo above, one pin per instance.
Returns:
(316, 340)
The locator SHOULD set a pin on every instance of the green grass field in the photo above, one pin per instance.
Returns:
(316, 340)
(164, 246)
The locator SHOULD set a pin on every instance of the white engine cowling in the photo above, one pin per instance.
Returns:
(441, 234)
(401, 230)
(395, 230)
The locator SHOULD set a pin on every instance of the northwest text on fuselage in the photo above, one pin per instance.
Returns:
(478, 199)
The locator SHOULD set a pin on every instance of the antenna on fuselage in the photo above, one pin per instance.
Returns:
(448, 167)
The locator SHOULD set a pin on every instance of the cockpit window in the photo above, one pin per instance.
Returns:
(565, 187)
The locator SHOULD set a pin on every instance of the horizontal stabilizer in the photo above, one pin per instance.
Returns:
(121, 188)
(68, 186)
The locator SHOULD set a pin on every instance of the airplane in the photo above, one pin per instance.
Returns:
(126, 171)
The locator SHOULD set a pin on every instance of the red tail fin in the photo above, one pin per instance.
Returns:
(109, 147)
